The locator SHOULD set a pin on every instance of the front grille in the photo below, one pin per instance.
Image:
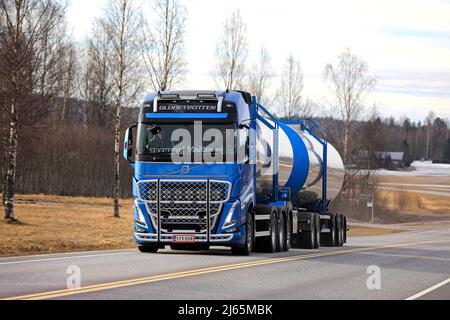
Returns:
(183, 204)
(174, 191)
(148, 190)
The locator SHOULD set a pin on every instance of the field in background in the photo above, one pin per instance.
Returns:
(414, 203)
(419, 194)
(66, 224)
(423, 193)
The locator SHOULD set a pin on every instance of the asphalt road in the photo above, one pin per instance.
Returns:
(413, 265)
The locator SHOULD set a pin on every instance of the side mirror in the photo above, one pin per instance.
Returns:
(128, 144)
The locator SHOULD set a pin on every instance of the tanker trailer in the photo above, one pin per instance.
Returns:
(310, 168)
(272, 190)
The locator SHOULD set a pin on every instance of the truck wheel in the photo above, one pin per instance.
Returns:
(308, 237)
(247, 249)
(287, 243)
(345, 229)
(318, 230)
(148, 249)
(329, 239)
(338, 228)
(281, 233)
(340, 220)
(269, 244)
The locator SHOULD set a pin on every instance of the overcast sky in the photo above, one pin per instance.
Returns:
(405, 42)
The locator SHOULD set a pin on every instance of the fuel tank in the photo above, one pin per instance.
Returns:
(299, 167)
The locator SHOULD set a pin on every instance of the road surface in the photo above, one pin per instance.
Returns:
(413, 265)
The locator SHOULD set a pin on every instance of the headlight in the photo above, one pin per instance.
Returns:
(228, 222)
(140, 215)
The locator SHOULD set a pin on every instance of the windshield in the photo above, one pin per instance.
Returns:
(184, 143)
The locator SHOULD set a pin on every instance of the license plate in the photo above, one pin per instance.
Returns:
(184, 238)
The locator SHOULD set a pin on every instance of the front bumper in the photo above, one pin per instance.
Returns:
(167, 239)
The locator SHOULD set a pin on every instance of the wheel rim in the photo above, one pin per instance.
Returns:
(288, 231)
(333, 232)
(313, 231)
(318, 231)
(338, 231)
(345, 230)
(281, 232)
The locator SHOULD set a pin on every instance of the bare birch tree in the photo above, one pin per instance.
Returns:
(350, 83)
(260, 76)
(290, 93)
(96, 82)
(68, 80)
(84, 82)
(429, 121)
(49, 65)
(122, 22)
(26, 24)
(231, 53)
(163, 45)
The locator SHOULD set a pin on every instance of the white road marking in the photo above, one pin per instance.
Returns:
(427, 291)
(66, 258)
(65, 253)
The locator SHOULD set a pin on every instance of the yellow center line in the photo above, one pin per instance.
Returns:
(198, 272)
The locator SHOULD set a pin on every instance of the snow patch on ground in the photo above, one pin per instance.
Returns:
(420, 168)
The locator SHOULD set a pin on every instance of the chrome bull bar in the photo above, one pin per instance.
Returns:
(184, 206)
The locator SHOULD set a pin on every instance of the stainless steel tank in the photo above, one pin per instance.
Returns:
(299, 165)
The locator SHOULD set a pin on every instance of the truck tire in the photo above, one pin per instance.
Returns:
(281, 233)
(308, 237)
(339, 230)
(318, 230)
(287, 243)
(329, 239)
(345, 229)
(148, 249)
(247, 249)
(269, 244)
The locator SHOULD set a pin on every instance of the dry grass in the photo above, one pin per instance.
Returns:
(414, 203)
(63, 224)
(410, 201)
(366, 231)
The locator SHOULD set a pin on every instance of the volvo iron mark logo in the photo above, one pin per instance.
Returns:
(185, 169)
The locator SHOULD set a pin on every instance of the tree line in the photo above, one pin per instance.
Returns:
(64, 105)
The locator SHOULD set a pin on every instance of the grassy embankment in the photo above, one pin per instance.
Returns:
(65, 224)
(420, 197)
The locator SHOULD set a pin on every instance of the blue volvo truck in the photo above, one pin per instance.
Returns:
(265, 186)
